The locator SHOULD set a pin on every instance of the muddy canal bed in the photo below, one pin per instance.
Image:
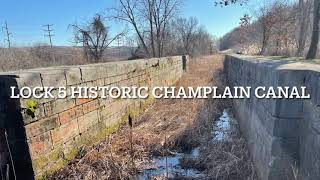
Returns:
(171, 166)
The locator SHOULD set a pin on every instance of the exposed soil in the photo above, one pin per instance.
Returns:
(171, 128)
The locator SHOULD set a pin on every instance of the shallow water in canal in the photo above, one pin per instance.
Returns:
(169, 166)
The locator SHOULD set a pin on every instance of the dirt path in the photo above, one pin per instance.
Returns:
(166, 127)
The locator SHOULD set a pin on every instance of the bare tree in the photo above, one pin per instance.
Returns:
(283, 32)
(267, 20)
(229, 2)
(315, 33)
(149, 16)
(191, 38)
(163, 13)
(94, 38)
(157, 13)
(187, 30)
(243, 29)
(204, 42)
(129, 12)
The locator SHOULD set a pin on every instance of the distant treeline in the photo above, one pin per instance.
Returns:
(275, 28)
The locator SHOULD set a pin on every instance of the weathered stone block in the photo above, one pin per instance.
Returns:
(104, 113)
(40, 145)
(287, 128)
(68, 115)
(98, 82)
(59, 105)
(29, 79)
(90, 106)
(80, 101)
(41, 126)
(88, 120)
(73, 76)
(112, 69)
(93, 72)
(105, 101)
(54, 78)
(38, 114)
(286, 147)
(286, 108)
(65, 132)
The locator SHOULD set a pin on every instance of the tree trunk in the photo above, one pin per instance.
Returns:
(141, 38)
(303, 22)
(151, 6)
(315, 33)
(152, 39)
(263, 48)
(264, 42)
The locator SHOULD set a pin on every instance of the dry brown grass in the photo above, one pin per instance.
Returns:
(181, 124)
(38, 56)
(45, 56)
(226, 159)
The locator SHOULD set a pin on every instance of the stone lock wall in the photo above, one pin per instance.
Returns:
(49, 140)
(283, 135)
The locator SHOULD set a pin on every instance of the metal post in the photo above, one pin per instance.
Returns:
(184, 63)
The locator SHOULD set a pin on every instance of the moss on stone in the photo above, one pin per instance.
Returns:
(54, 157)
